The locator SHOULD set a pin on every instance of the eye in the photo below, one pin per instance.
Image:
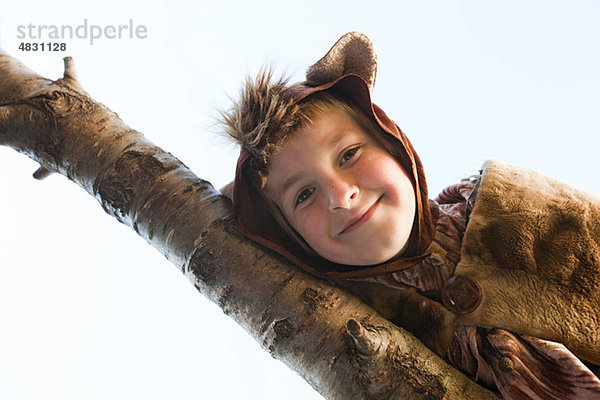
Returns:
(304, 195)
(347, 156)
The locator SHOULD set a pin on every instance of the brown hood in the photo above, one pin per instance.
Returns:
(257, 223)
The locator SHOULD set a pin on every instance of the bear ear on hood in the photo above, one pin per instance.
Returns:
(353, 53)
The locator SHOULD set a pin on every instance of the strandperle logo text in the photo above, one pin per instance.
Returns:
(83, 31)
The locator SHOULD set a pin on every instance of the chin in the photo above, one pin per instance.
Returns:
(381, 250)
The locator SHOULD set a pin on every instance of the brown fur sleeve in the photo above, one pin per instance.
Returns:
(533, 248)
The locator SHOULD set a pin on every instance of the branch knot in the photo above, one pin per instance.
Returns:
(367, 342)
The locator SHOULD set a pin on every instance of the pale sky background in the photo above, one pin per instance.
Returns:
(89, 311)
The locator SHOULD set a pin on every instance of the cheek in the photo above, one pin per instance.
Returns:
(376, 171)
(312, 225)
(385, 173)
(377, 160)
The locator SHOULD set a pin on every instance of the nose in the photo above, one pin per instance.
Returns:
(341, 194)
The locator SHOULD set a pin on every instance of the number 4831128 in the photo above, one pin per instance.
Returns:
(48, 46)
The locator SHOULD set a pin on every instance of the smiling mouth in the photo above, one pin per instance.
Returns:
(358, 221)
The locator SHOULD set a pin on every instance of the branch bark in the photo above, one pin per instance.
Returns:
(342, 347)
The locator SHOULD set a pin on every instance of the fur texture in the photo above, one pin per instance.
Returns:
(533, 247)
(262, 117)
(353, 53)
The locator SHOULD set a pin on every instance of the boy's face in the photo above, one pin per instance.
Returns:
(343, 192)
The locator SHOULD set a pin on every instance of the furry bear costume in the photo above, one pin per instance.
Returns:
(524, 266)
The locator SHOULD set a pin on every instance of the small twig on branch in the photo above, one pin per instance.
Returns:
(42, 172)
(366, 341)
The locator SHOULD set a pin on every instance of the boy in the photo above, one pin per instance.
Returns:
(326, 179)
